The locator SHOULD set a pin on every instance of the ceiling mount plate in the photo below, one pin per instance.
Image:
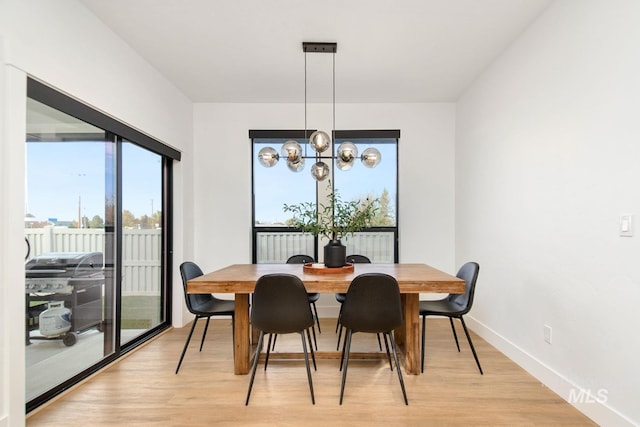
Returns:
(320, 47)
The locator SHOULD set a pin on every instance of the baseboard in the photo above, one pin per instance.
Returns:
(592, 403)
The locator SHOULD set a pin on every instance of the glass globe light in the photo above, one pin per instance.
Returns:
(296, 166)
(319, 141)
(292, 151)
(268, 157)
(347, 153)
(320, 171)
(371, 157)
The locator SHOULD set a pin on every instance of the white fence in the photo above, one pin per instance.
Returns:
(141, 249)
(274, 247)
(142, 256)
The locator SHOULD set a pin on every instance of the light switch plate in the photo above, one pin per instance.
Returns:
(547, 334)
(626, 225)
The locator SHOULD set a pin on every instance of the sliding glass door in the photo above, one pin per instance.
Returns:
(97, 241)
(141, 294)
(69, 279)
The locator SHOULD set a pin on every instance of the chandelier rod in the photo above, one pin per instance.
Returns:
(305, 94)
(333, 130)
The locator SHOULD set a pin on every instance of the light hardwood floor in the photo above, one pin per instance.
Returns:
(142, 389)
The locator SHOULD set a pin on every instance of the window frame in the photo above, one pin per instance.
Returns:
(336, 134)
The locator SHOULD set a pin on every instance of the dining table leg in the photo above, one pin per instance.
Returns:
(241, 335)
(408, 335)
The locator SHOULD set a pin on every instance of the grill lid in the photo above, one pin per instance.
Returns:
(65, 264)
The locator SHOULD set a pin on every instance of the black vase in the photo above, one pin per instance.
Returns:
(335, 254)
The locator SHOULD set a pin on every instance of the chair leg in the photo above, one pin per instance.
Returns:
(253, 367)
(274, 341)
(315, 312)
(473, 350)
(313, 355)
(313, 330)
(338, 321)
(306, 361)
(395, 356)
(454, 333)
(344, 344)
(339, 338)
(266, 358)
(184, 350)
(386, 346)
(345, 358)
(204, 334)
(379, 343)
(422, 346)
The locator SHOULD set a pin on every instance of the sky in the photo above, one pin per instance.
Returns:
(63, 175)
(278, 185)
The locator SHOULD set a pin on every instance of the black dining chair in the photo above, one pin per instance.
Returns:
(372, 305)
(454, 306)
(202, 305)
(280, 306)
(353, 259)
(312, 296)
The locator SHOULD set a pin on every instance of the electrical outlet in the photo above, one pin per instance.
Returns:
(547, 333)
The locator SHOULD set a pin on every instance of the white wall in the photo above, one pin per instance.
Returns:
(222, 147)
(64, 45)
(547, 158)
(12, 111)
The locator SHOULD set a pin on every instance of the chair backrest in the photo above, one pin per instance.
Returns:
(469, 273)
(300, 259)
(372, 304)
(280, 304)
(355, 259)
(190, 270)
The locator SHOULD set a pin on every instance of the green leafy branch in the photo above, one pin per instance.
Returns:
(335, 220)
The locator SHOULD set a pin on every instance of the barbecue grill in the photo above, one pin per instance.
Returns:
(74, 278)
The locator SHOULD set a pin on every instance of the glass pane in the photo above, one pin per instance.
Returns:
(275, 247)
(277, 185)
(361, 182)
(378, 246)
(69, 267)
(141, 241)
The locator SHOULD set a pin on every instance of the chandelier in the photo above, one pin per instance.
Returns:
(319, 141)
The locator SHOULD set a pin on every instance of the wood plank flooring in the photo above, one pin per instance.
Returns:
(142, 389)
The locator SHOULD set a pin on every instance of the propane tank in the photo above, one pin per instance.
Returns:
(55, 320)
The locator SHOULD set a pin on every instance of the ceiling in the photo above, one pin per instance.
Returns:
(251, 50)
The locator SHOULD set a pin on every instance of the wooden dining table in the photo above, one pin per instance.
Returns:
(413, 279)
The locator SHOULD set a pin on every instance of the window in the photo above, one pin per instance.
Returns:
(274, 241)
(378, 243)
(97, 228)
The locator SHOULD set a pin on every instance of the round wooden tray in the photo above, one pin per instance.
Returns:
(322, 269)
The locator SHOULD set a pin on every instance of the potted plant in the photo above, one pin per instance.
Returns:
(335, 220)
